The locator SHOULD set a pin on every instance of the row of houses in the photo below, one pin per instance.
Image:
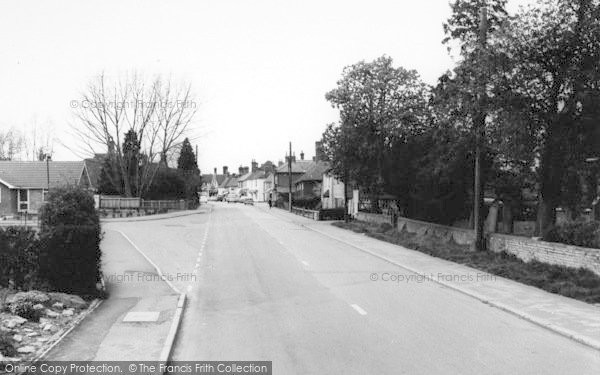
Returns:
(310, 180)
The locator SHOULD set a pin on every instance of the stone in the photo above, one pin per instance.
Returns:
(15, 321)
(51, 314)
(50, 328)
(39, 306)
(26, 349)
(68, 312)
(58, 305)
(18, 338)
(44, 321)
(32, 334)
(68, 300)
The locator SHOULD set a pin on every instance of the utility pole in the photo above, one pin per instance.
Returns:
(479, 124)
(290, 178)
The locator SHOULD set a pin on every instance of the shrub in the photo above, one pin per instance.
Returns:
(19, 250)
(25, 309)
(586, 234)
(69, 206)
(70, 242)
(6, 346)
(70, 258)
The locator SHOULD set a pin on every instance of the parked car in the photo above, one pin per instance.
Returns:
(203, 199)
(232, 198)
(246, 200)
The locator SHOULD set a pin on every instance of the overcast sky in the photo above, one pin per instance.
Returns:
(260, 69)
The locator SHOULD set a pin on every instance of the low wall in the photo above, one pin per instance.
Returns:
(548, 252)
(459, 235)
(373, 218)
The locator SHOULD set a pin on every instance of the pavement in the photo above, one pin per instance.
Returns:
(133, 286)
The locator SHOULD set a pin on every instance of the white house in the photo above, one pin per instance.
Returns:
(332, 191)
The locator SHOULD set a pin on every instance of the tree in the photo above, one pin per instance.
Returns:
(473, 24)
(378, 104)
(158, 114)
(187, 158)
(131, 157)
(554, 82)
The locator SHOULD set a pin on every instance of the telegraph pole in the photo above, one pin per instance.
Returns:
(290, 178)
(479, 123)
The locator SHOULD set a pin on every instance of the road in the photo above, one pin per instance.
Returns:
(265, 288)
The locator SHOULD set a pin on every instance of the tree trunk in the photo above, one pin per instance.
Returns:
(507, 216)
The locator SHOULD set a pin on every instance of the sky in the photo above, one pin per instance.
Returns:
(259, 69)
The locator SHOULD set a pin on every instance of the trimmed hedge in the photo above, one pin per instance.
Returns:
(70, 256)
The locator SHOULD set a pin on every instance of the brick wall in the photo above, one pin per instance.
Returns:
(548, 252)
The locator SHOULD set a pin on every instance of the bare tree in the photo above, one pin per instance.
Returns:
(110, 109)
(174, 113)
(11, 144)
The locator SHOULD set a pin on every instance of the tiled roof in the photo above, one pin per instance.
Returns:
(315, 172)
(298, 166)
(232, 182)
(33, 174)
(245, 177)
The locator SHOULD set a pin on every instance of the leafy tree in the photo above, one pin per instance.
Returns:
(110, 181)
(554, 84)
(378, 104)
(131, 156)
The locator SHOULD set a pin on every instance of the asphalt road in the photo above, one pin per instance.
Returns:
(264, 288)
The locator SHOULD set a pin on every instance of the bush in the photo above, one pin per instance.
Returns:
(70, 242)
(70, 258)
(586, 234)
(69, 206)
(19, 251)
(6, 346)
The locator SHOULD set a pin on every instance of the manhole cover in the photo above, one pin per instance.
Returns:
(141, 316)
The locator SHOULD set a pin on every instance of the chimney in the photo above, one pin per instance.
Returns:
(279, 163)
(254, 165)
(225, 170)
(246, 170)
(215, 170)
(301, 155)
(241, 170)
(294, 157)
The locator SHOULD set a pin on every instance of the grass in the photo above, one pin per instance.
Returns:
(580, 284)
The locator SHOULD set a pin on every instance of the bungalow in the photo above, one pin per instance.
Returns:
(24, 184)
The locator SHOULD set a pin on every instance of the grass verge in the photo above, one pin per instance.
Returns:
(580, 284)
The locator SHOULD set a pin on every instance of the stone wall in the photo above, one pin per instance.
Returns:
(548, 252)
(459, 235)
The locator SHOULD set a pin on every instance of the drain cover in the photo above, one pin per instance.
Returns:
(141, 316)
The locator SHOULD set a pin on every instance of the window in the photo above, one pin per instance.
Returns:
(23, 200)
(44, 195)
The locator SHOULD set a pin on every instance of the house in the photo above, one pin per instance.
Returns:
(24, 184)
(256, 185)
(332, 191)
(309, 185)
(211, 182)
(281, 181)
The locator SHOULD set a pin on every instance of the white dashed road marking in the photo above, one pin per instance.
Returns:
(359, 309)
(305, 263)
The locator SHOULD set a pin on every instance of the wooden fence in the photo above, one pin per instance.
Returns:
(117, 203)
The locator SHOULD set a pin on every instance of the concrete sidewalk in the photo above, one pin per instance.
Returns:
(565, 316)
(133, 286)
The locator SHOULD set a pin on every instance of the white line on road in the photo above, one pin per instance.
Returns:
(189, 288)
(359, 309)
(305, 263)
